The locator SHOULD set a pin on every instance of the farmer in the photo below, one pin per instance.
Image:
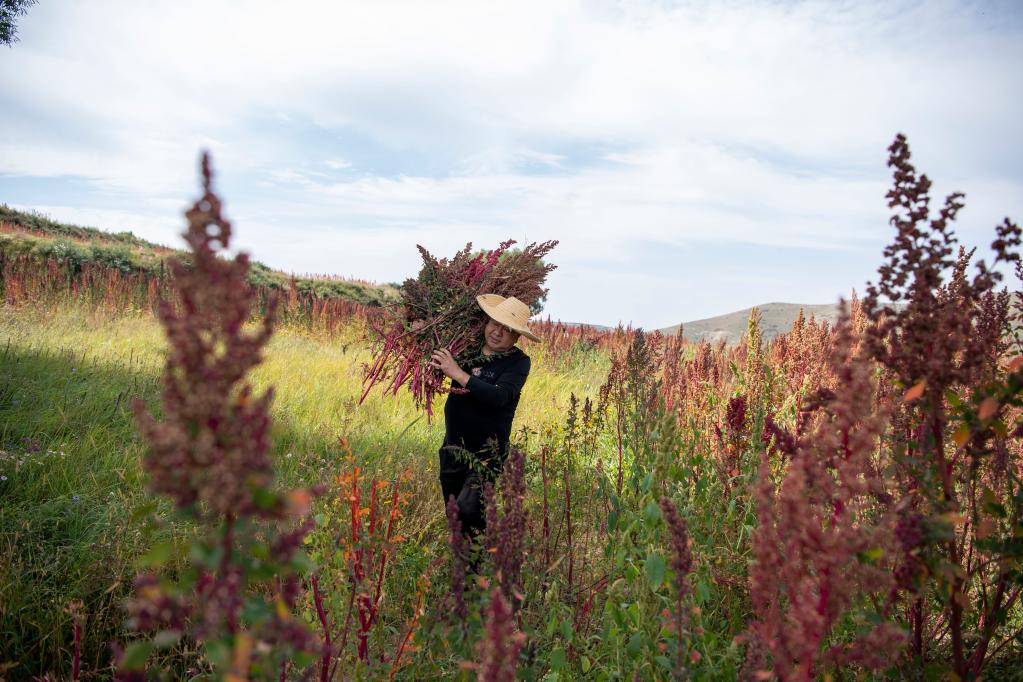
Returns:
(478, 420)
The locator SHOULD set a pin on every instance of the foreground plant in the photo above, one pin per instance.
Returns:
(355, 546)
(941, 335)
(210, 455)
(498, 648)
(822, 546)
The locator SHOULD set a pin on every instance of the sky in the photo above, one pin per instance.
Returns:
(692, 158)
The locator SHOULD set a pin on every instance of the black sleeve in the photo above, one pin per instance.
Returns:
(507, 388)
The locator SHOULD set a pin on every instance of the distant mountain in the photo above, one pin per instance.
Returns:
(595, 327)
(775, 318)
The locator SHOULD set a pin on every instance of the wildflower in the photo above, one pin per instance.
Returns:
(459, 558)
(681, 564)
(500, 645)
(75, 498)
(939, 331)
(3, 478)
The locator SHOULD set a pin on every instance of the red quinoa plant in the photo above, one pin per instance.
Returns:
(354, 548)
(506, 532)
(439, 310)
(498, 648)
(210, 454)
(941, 333)
(821, 544)
(681, 563)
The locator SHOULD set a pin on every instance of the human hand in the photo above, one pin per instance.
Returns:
(443, 360)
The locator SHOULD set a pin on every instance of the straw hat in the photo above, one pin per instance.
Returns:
(511, 312)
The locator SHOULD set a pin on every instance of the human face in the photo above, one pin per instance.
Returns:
(497, 338)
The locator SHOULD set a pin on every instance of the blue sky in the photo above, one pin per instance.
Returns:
(693, 158)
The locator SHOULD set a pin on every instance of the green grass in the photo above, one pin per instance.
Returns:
(68, 528)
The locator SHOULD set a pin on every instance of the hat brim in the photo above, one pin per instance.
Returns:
(489, 302)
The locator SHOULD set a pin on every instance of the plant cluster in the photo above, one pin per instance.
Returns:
(39, 240)
(439, 310)
(955, 427)
(209, 453)
(840, 502)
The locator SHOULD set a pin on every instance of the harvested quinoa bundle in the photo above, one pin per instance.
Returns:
(438, 309)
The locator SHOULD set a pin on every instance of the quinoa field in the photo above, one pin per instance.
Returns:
(836, 503)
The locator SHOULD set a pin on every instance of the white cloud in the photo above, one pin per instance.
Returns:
(338, 164)
(604, 125)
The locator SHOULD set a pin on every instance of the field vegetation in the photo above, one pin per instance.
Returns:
(842, 502)
(73, 248)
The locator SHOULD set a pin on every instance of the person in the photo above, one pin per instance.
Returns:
(479, 411)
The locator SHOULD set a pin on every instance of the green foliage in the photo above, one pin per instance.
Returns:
(9, 11)
(36, 235)
(41, 225)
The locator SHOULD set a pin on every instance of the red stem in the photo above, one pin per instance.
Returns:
(321, 614)
(76, 660)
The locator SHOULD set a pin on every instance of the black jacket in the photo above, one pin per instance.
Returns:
(480, 420)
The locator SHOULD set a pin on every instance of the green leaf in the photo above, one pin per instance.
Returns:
(303, 659)
(552, 624)
(663, 661)
(566, 630)
(584, 662)
(702, 592)
(869, 556)
(206, 555)
(620, 560)
(652, 513)
(265, 499)
(654, 569)
(135, 655)
(256, 610)
(991, 504)
(158, 555)
(218, 652)
(558, 659)
(635, 645)
(302, 564)
(142, 511)
(616, 614)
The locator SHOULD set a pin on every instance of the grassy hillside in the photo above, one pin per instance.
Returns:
(31, 234)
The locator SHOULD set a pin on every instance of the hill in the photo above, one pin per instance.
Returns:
(775, 318)
(33, 234)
